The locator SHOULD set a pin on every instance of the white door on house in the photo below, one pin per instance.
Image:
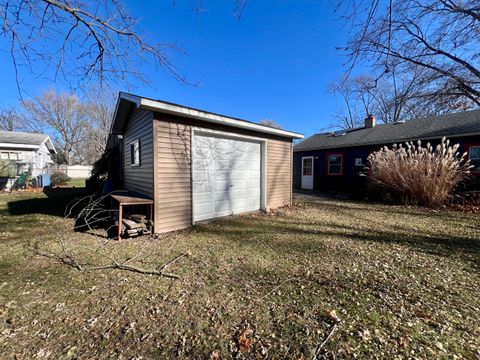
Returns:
(226, 176)
(307, 172)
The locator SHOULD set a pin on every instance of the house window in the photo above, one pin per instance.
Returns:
(307, 166)
(335, 164)
(474, 155)
(135, 153)
(10, 156)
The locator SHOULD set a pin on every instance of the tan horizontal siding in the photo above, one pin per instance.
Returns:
(279, 173)
(139, 178)
(173, 205)
(172, 154)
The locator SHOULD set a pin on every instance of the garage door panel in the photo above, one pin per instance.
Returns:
(229, 175)
(200, 187)
(254, 202)
(254, 166)
(226, 176)
(222, 206)
(253, 184)
(202, 176)
(200, 165)
(230, 185)
(240, 205)
(231, 165)
(204, 209)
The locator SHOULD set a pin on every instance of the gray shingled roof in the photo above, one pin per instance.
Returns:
(23, 138)
(432, 127)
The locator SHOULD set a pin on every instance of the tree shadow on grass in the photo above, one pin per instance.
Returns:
(249, 232)
(53, 204)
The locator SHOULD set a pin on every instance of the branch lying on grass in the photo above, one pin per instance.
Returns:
(135, 269)
(67, 260)
(90, 217)
(276, 287)
(70, 261)
(320, 346)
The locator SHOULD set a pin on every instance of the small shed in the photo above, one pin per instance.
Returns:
(197, 165)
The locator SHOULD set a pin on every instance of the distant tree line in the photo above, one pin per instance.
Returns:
(422, 57)
(78, 127)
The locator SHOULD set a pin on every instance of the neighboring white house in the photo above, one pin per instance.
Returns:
(26, 152)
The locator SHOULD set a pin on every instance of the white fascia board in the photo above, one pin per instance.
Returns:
(173, 109)
(52, 147)
(19, 146)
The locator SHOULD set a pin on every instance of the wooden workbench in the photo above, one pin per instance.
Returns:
(126, 200)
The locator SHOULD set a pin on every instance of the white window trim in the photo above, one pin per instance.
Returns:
(135, 164)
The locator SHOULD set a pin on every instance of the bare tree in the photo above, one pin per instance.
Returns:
(10, 120)
(271, 123)
(99, 108)
(348, 115)
(62, 116)
(394, 97)
(438, 38)
(80, 41)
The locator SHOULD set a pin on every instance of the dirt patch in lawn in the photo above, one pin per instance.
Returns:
(395, 281)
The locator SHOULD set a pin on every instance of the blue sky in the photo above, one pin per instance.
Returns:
(275, 63)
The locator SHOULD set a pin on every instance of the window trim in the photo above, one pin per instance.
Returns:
(132, 155)
(342, 156)
(467, 150)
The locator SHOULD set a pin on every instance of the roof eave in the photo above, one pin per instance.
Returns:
(49, 144)
(388, 142)
(121, 115)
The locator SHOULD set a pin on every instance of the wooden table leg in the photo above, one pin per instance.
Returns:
(120, 221)
(151, 219)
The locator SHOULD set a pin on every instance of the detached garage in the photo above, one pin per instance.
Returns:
(198, 165)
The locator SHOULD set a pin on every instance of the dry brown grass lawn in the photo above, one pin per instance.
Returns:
(403, 281)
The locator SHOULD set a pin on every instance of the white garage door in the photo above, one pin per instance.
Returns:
(226, 176)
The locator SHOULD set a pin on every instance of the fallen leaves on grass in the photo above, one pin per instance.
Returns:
(245, 340)
(332, 315)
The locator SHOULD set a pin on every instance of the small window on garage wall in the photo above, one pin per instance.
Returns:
(335, 164)
(474, 156)
(135, 153)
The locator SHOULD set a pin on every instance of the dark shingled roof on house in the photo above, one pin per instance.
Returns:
(432, 127)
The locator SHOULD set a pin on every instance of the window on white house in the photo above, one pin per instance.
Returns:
(135, 153)
(10, 156)
(335, 164)
(474, 155)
